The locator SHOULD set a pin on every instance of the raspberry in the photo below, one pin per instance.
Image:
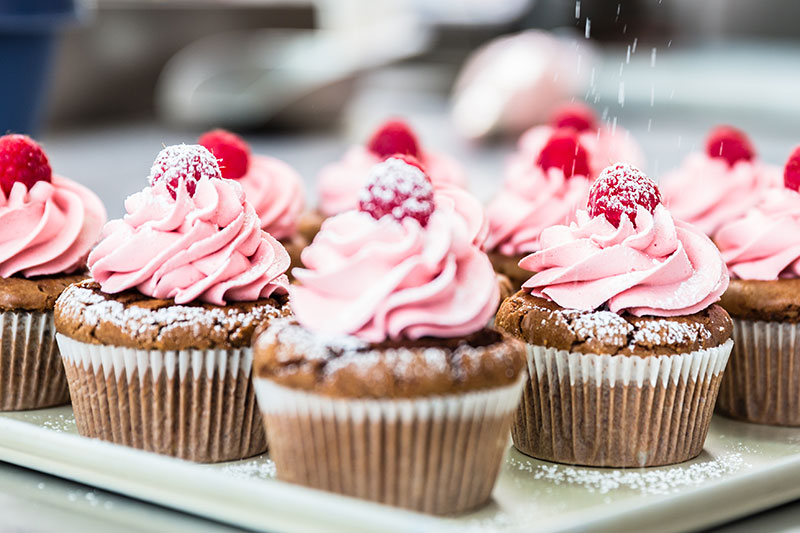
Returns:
(397, 189)
(230, 150)
(563, 150)
(730, 144)
(791, 172)
(182, 163)
(619, 190)
(394, 137)
(408, 159)
(22, 160)
(579, 117)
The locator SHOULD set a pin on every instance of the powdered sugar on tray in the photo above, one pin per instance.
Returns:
(252, 469)
(663, 480)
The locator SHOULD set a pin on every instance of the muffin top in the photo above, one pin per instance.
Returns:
(48, 223)
(87, 314)
(719, 184)
(339, 182)
(346, 366)
(542, 322)
(190, 236)
(38, 293)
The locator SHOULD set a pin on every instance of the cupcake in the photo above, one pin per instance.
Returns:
(762, 250)
(389, 386)
(273, 188)
(720, 184)
(546, 182)
(339, 183)
(156, 346)
(626, 347)
(48, 224)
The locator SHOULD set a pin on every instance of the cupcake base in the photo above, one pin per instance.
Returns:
(616, 410)
(437, 455)
(762, 382)
(508, 265)
(197, 405)
(31, 373)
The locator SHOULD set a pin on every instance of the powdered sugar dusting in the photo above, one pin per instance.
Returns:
(663, 480)
(620, 190)
(660, 332)
(184, 163)
(259, 468)
(399, 189)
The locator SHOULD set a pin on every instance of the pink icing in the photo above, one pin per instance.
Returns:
(707, 192)
(530, 201)
(657, 267)
(276, 192)
(339, 183)
(379, 279)
(207, 247)
(48, 229)
(764, 244)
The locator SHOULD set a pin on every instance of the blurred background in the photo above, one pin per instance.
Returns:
(103, 84)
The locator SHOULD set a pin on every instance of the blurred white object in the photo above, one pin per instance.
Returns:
(244, 79)
(513, 82)
(471, 12)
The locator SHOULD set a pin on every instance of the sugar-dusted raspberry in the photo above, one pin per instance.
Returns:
(184, 163)
(22, 160)
(791, 172)
(619, 190)
(232, 152)
(397, 189)
(393, 137)
(563, 150)
(409, 159)
(579, 117)
(730, 144)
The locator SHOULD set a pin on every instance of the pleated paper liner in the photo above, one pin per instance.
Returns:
(31, 373)
(762, 382)
(437, 455)
(197, 405)
(616, 410)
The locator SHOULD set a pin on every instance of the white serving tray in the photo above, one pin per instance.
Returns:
(744, 468)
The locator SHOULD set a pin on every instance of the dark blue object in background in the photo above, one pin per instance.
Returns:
(28, 31)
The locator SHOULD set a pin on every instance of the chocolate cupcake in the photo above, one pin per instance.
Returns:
(762, 248)
(389, 386)
(157, 348)
(272, 187)
(626, 347)
(546, 182)
(48, 224)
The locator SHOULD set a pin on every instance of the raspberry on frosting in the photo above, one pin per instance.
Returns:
(184, 163)
(579, 117)
(791, 172)
(620, 190)
(232, 152)
(730, 144)
(564, 151)
(22, 160)
(399, 189)
(394, 137)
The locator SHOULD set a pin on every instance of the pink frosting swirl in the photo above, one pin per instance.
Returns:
(764, 244)
(48, 229)
(207, 247)
(530, 201)
(340, 182)
(657, 267)
(380, 279)
(604, 146)
(707, 192)
(276, 192)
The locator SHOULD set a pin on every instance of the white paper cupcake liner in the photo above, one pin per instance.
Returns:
(192, 404)
(762, 382)
(616, 410)
(31, 373)
(437, 455)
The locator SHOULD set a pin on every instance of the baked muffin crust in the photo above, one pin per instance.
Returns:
(345, 366)
(768, 300)
(84, 313)
(544, 323)
(38, 293)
